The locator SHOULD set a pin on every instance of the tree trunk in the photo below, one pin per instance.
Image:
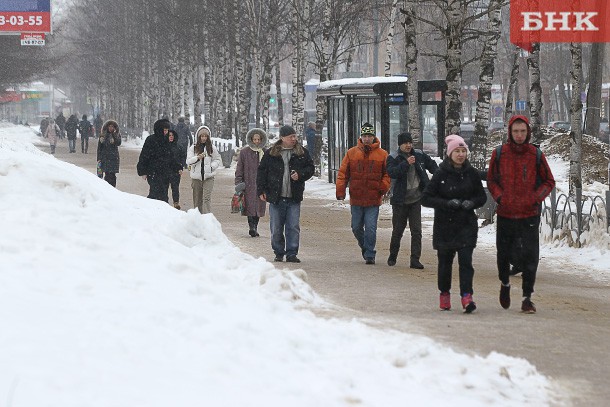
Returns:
(478, 157)
(453, 63)
(594, 93)
(535, 91)
(576, 121)
(390, 39)
(411, 53)
(196, 95)
(512, 86)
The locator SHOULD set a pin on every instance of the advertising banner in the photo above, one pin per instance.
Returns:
(32, 16)
(542, 21)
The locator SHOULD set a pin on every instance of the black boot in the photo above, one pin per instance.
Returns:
(252, 231)
(255, 222)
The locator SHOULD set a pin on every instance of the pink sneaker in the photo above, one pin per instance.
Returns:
(468, 303)
(445, 301)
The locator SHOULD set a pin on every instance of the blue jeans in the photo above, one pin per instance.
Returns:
(284, 217)
(364, 227)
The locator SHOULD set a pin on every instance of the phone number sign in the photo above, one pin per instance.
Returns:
(25, 16)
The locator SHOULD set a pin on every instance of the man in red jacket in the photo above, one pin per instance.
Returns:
(364, 169)
(519, 181)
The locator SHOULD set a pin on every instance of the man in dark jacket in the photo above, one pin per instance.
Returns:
(519, 182)
(97, 124)
(185, 139)
(407, 168)
(60, 120)
(155, 162)
(86, 130)
(71, 126)
(281, 181)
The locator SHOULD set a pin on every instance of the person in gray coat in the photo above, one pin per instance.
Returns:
(245, 177)
(108, 151)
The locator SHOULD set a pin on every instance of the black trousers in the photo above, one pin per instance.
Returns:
(110, 177)
(84, 144)
(401, 215)
(518, 243)
(445, 265)
(174, 182)
(158, 187)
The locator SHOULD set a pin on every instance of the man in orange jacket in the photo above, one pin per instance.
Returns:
(364, 168)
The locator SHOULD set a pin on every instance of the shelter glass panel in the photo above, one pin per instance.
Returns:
(399, 123)
(367, 109)
(429, 129)
(337, 143)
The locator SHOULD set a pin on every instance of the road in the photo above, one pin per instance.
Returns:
(568, 339)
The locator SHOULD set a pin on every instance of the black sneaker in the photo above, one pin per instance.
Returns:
(370, 260)
(391, 260)
(415, 264)
(527, 306)
(279, 258)
(505, 296)
(292, 259)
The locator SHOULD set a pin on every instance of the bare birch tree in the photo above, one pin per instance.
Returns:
(575, 179)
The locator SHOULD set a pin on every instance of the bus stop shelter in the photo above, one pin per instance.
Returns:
(381, 101)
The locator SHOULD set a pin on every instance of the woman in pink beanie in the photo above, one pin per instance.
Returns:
(454, 192)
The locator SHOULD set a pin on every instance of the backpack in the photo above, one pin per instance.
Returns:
(538, 161)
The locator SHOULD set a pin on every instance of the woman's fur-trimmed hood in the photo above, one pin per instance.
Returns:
(260, 132)
(108, 123)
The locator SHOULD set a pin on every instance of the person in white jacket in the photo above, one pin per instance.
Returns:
(203, 161)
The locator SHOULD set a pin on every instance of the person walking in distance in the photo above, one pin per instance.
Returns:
(185, 139)
(519, 179)
(86, 130)
(364, 169)
(246, 171)
(97, 124)
(71, 127)
(280, 181)
(176, 171)
(454, 192)
(108, 151)
(203, 159)
(407, 168)
(52, 134)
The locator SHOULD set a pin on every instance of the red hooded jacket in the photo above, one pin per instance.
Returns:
(512, 183)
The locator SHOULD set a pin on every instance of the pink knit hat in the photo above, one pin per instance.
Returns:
(454, 141)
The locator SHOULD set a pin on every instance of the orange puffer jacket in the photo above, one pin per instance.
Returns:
(364, 168)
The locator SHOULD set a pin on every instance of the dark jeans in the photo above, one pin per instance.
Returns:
(445, 265)
(518, 243)
(110, 177)
(364, 228)
(174, 182)
(158, 187)
(284, 217)
(84, 144)
(401, 214)
(72, 144)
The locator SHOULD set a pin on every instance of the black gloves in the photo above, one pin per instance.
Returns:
(454, 204)
(467, 205)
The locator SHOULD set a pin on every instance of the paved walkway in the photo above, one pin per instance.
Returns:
(567, 340)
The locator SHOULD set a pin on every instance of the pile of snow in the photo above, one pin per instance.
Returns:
(109, 299)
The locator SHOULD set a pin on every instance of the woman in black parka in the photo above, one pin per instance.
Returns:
(108, 151)
(454, 192)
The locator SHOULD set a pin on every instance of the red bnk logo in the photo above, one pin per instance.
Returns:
(558, 21)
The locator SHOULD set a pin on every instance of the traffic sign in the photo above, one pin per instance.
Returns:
(520, 105)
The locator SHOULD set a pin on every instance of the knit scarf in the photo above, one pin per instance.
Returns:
(260, 152)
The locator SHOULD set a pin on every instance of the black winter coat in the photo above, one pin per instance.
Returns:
(454, 229)
(108, 148)
(156, 157)
(398, 166)
(71, 126)
(271, 172)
